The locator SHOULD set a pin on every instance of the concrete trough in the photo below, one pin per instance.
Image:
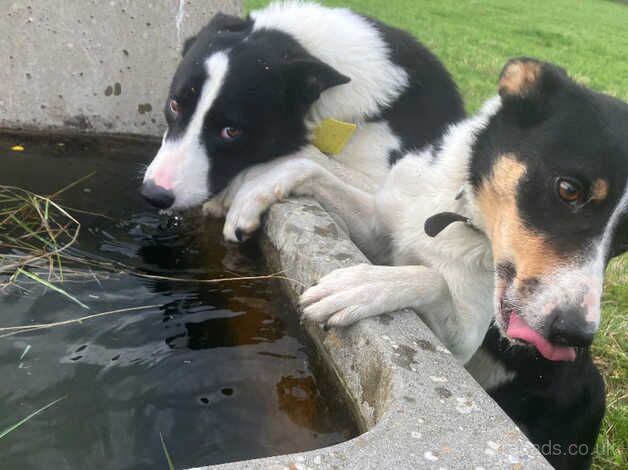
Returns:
(418, 407)
(104, 67)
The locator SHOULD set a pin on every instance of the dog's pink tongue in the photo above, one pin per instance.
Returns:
(519, 329)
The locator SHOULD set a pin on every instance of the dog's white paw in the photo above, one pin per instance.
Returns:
(257, 194)
(245, 214)
(344, 296)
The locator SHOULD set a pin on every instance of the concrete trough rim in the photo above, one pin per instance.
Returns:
(418, 406)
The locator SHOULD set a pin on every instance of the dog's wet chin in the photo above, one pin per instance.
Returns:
(186, 200)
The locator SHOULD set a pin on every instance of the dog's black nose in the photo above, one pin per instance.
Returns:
(159, 197)
(570, 327)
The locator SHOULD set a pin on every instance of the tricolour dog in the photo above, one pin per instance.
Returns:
(251, 93)
(505, 225)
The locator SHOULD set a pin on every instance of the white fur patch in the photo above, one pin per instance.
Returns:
(370, 140)
(417, 188)
(577, 285)
(488, 372)
(620, 210)
(439, 290)
(183, 164)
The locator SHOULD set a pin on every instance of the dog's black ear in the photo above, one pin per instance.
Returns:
(526, 86)
(219, 23)
(222, 22)
(308, 78)
(187, 44)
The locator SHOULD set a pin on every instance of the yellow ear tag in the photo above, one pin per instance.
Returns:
(331, 136)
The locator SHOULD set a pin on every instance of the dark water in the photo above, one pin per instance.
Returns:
(220, 370)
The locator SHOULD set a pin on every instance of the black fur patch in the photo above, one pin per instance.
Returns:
(394, 156)
(430, 103)
(556, 404)
(506, 271)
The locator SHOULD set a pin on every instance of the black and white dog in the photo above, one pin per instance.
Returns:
(538, 180)
(249, 93)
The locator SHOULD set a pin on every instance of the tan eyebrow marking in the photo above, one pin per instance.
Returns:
(599, 190)
(520, 77)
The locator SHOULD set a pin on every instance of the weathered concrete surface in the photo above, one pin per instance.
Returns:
(421, 409)
(94, 65)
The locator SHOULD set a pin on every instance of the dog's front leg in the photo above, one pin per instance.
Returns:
(347, 295)
(353, 208)
(219, 205)
(256, 193)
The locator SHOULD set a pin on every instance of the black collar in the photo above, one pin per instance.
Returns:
(439, 222)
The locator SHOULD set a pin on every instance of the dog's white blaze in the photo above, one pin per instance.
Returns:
(350, 44)
(603, 248)
(607, 237)
(578, 284)
(182, 165)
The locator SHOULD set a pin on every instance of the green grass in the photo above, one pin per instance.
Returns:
(474, 39)
(611, 355)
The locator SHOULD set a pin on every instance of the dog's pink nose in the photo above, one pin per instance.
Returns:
(156, 195)
(163, 175)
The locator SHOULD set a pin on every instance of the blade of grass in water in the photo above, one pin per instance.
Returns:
(48, 230)
(32, 415)
(51, 286)
(24, 328)
(71, 185)
(30, 231)
(44, 217)
(163, 445)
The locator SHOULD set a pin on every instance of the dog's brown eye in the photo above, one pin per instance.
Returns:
(570, 190)
(174, 107)
(230, 133)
